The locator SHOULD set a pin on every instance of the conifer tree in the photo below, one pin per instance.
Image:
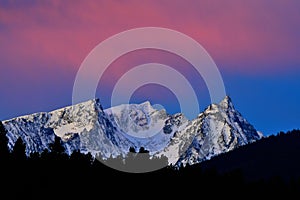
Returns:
(4, 152)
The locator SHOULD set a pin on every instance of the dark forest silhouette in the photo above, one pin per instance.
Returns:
(135, 162)
(270, 165)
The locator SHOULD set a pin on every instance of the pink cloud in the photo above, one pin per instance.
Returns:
(233, 32)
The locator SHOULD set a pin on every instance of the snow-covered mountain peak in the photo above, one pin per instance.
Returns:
(138, 120)
(225, 107)
(74, 119)
(112, 132)
(146, 104)
(220, 128)
(91, 105)
(70, 123)
(226, 103)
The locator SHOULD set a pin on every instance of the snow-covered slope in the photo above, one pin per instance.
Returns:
(220, 128)
(86, 127)
(145, 126)
(83, 127)
(111, 132)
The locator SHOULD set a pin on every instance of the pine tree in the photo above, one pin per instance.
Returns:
(4, 152)
(19, 153)
(56, 147)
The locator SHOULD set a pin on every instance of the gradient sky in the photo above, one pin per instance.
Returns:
(255, 45)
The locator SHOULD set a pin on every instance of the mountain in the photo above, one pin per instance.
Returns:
(109, 133)
(145, 126)
(268, 167)
(220, 128)
(83, 127)
(89, 128)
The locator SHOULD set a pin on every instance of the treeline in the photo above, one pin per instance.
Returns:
(274, 156)
(56, 174)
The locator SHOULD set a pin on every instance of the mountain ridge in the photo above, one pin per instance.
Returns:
(111, 132)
